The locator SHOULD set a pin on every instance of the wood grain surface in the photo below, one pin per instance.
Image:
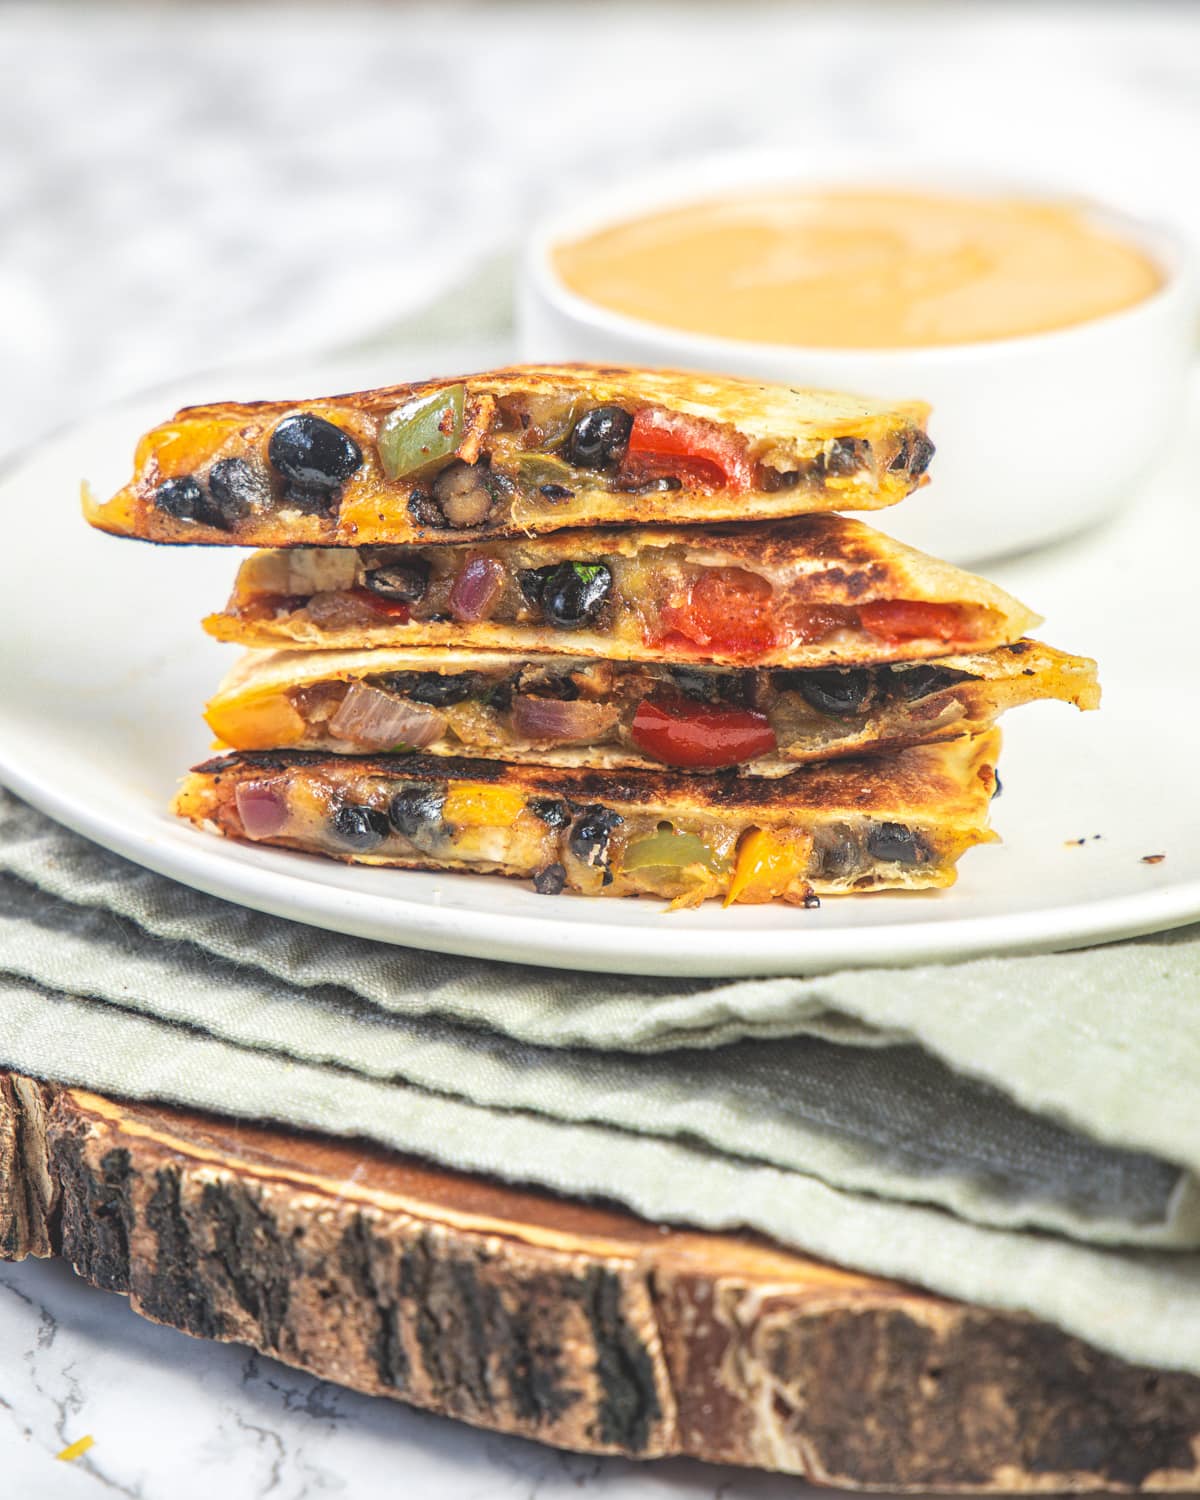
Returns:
(574, 1324)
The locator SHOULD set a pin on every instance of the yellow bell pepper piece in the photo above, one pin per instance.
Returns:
(767, 864)
(266, 723)
(182, 447)
(475, 804)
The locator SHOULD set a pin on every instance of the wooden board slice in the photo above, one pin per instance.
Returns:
(573, 1324)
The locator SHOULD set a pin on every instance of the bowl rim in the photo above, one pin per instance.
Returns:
(693, 179)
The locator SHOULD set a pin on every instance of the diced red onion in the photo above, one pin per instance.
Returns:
(261, 807)
(556, 719)
(381, 721)
(476, 589)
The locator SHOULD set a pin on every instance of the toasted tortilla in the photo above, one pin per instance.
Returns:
(891, 822)
(322, 598)
(477, 702)
(783, 452)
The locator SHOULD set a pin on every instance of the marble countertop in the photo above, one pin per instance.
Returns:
(189, 187)
(178, 1418)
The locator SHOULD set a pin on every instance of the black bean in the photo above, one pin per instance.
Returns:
(782, 479)
(892, 843)
(712, 687)
(844, 456)
(922, 453)
(432, 688)
(554, 685)
(531, 582)
(312, 452)
(588, 840)
(308, 499)
(416, 810)
(556, 492)
(835, 691)
(695, 683)
(914, 454)
(359, 828)
(600, 437)
(463, 492)
(839, 854)
(554, 812)
(404, 581)
(182, 498)
(550, 881)
(425, 511)
(574, 594)
(655, 486)
(911, 683)
(236, 488)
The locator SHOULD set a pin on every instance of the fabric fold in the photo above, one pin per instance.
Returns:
(1143, 1306)
(1013, 1131)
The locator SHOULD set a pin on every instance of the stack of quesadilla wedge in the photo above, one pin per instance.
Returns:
(599, 628)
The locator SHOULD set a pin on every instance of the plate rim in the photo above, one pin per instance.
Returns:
(685, 953)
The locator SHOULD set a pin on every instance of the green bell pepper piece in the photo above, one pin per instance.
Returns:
(537, 469)
(668, 848)
(422, 432)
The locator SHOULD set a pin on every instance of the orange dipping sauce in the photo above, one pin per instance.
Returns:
(859, 269)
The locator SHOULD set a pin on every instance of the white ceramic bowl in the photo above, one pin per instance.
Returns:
(1037, 436)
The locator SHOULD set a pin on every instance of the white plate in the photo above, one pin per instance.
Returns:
(105, 669)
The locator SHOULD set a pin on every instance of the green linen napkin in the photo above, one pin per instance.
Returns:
(1019, 1132)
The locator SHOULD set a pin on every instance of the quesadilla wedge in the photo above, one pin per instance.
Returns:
(513, 452)
(813, 591)
(894, 822)
(579, 711)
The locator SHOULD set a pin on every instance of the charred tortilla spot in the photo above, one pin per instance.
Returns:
(913, 775)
